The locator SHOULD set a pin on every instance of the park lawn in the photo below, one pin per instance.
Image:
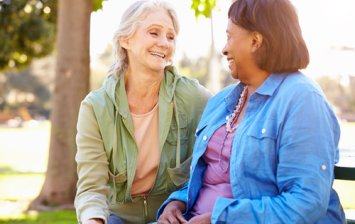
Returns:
(58, 217)
(24, 149)
(16, 191)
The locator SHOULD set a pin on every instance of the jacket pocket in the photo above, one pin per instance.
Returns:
(259, 149)
(118, 184)
(173, 131)
(179, 175)
(263, 129)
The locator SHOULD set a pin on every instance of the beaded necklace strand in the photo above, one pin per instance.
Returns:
(235, 115)
(231, 125)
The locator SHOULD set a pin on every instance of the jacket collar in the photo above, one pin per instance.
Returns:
(115, 89)
(267, 88)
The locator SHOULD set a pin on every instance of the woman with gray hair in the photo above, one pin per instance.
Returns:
(135, 134)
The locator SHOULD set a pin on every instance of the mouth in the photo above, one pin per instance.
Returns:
(158, 54)
(230, 61)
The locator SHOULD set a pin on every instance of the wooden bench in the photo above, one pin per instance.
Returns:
(345, 173)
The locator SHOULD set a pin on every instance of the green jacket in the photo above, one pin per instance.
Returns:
(107, 152)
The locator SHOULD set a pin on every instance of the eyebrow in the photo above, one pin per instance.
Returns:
(161, 26)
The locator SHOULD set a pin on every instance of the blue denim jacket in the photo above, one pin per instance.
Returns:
(282, 159)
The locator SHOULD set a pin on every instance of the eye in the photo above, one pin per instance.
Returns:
(153, 33)
(171, 37)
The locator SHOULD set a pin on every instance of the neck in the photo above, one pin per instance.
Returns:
(142, 91)
(255, 78)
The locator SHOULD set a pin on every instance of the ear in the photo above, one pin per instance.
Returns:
(124, 42)
(257, 41)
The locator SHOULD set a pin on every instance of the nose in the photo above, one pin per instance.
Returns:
(164, 42)
(224, 51)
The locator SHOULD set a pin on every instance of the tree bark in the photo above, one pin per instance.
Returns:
(214, 66)
(71, 86)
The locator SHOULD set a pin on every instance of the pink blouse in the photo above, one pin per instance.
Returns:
(216, 182)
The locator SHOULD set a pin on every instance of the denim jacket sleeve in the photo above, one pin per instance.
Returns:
(306, 153)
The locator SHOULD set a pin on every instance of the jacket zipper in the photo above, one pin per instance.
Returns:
(145, 204)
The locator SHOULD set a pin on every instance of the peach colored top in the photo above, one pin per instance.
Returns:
(146, 136)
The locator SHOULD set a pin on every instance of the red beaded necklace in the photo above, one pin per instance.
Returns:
(231, 125)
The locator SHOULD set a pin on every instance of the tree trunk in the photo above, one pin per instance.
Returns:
(71, 86)
(214, 67)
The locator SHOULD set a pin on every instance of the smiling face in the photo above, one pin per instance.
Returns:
(152, 45)
(239, 50)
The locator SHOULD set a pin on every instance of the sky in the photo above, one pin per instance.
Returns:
(328, 26)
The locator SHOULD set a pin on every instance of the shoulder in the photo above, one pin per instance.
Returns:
(221, 95)
(191, 87)
(95, 96)
(100, 96)
(185, 86)
(299, 91)
(299, 84)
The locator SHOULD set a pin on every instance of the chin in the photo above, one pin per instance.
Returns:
(234, 74)
(157, 66)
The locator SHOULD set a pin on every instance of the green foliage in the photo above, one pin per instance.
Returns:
(27, 31)
(203, 7)
(36, 94)
(96, 5)
(58, 217)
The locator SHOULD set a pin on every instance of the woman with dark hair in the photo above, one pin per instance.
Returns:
(265, 147)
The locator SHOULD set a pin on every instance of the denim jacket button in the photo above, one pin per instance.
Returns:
(263, 130)
(324, 167)
(204, 138)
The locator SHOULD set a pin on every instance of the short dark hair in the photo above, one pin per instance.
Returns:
(283, 48)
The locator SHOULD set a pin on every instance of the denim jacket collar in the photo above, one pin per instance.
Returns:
(267, 88)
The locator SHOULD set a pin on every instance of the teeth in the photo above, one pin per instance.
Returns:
(158, 54)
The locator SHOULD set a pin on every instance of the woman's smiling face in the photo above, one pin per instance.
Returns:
(153, 43)
(238, 50)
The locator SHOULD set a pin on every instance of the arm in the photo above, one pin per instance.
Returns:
(92, 168)
(173, 213)
(179, 195)
(307, 145)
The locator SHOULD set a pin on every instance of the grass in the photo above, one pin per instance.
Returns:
(58, 217)
(24, 149)
(20, 186)
(23, 161)
(16, 191)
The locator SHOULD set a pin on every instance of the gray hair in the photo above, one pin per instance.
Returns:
(128, 25)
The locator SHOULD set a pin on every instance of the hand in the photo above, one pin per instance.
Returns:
(205, 218)
(94, 221)
(172, 213)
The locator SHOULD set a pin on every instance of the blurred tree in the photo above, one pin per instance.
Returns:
(27, 31)
(71, 85)
(340, 91)
(205, 8)
(198, 69)
(29, 89)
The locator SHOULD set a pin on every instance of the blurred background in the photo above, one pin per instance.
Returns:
(53, 52)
